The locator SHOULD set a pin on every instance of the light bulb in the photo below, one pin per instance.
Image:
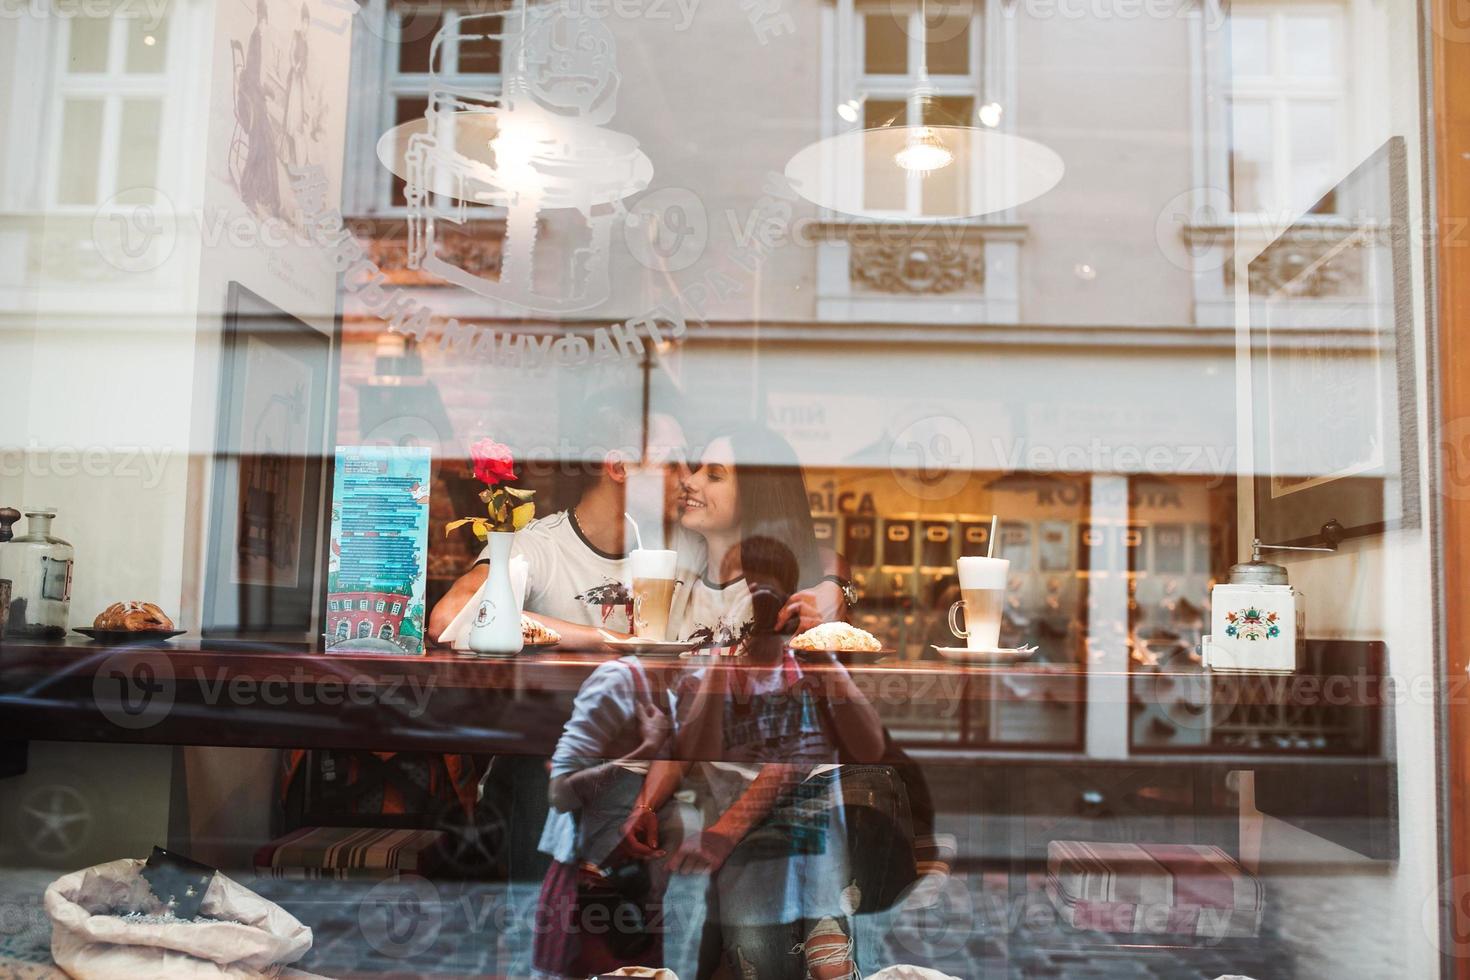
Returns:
(849, 110)
(924, 153)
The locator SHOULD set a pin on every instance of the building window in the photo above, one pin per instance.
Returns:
(110, 98)
(1288, 99)
(890, 42)
(343, 629)
(385, 632)
(397, 608)
(468, 61)
(381, 605)
(362, 605)
(952, 271)
(332, 605)
(364, 630)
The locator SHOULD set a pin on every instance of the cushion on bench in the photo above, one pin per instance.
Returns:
(1188, 889)
(350, 852)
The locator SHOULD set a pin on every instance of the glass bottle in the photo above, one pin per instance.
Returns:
(38, 566)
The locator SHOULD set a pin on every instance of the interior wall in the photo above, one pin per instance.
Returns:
(1379, 587)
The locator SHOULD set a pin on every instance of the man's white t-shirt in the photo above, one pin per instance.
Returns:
(571, 580)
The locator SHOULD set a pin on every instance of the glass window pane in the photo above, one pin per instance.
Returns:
(948, 39)
(76, 179)
(479, 55)
(405, 110)
(944, 191)
(147, 46)
(885, 45)
(1250, 45)
(884, 184)
(87, 44)
(137, 151)
(1314, 150)
(1312, 44)
(1250, 155)
(415, 38)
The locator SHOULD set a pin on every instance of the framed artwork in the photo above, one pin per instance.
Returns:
(1333, 377)
(265, 540)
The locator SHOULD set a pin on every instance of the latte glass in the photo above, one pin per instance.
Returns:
(982, 600)
(652, 574)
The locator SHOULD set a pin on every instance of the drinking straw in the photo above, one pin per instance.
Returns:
(990, 545)
(636, 536)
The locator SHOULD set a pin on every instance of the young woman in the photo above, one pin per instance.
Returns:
(767, 743)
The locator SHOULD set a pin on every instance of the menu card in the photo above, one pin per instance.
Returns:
(377, 569)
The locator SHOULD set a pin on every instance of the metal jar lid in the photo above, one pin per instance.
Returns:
(1257, 572)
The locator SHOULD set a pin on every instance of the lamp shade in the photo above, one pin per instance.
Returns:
(871, 173)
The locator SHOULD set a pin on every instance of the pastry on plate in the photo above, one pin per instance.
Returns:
(843, 637)
(135, 617)
(537, 634)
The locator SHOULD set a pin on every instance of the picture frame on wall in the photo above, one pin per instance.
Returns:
(263, 576)
(1333, 376)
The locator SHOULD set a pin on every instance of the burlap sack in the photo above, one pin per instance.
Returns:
(255, 938)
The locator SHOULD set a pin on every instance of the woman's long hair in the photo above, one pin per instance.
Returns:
(774, 507)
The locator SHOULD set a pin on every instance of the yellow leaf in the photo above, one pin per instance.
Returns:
(480, 531)
(522, 515)
(454, 524)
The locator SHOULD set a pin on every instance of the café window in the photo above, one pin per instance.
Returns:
(1288, 106)
(112, 85)
(410, 71)
(1284, 108)
(959, 56)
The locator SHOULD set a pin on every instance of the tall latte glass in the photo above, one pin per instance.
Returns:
(982, 602)
(652, 573)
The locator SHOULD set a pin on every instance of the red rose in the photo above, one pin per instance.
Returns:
(493, 462)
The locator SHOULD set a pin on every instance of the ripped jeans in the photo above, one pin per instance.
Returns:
(775, 907)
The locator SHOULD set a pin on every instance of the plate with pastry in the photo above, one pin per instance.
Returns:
(836, 638)
(996, 655)
(648, 648)
(131, 622)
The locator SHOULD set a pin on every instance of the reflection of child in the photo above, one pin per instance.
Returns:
(621, 719)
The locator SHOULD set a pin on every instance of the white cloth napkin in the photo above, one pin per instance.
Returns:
(457, 633)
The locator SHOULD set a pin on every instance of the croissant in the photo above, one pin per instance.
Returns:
(537, 634)
(135, 617)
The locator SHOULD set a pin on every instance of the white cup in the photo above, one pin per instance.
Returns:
(651, 582)
(983, 600)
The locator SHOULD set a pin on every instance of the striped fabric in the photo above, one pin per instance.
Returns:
(349, 852)
(1189, 889)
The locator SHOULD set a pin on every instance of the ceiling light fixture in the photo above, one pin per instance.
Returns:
(924, 153)
(987, 170)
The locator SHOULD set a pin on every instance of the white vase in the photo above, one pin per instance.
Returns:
(496, 628)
